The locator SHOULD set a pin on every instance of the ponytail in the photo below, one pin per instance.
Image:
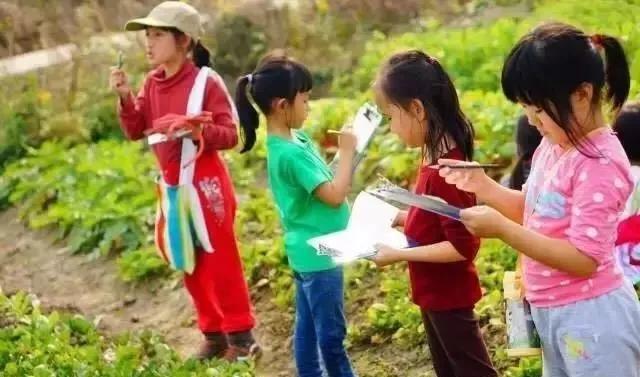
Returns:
(249, 117)
(616, 70)
(201, 55)
(552, 61)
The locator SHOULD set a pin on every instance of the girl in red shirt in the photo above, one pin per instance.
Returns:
(216, 285)
(415, 92)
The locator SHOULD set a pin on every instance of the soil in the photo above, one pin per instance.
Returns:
(31, 261)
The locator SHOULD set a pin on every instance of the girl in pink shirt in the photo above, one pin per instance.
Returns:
(586, 313)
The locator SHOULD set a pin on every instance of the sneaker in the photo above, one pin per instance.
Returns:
(243, 354)
(212, 348)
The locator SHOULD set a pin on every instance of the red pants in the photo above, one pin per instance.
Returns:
(217, 285)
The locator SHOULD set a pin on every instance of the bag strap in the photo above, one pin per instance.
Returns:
(194, 107)
(218, 79)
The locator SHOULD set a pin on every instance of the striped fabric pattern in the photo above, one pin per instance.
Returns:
(174, 235)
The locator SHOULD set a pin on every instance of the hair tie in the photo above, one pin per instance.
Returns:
(250, 78)
(597, 40)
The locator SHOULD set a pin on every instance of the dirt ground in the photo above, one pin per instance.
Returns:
(31, 261)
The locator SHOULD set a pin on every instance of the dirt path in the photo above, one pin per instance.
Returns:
(30, 261)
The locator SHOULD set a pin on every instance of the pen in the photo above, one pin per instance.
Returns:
(467, 166)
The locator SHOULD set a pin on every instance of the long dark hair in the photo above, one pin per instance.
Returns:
(547, 65)
(200, 54)
(627, 127)
(527, 140)
(277, 76)
(415, 75)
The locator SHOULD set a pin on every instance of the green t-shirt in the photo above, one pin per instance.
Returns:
(295, 169)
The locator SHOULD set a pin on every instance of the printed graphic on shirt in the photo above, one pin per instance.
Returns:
(551, 204)
(212, 190)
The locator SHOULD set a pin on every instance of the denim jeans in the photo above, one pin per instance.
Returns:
(320, 326)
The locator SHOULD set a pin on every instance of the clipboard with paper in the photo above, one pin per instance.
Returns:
(370, 223)
(364, 126)
(389, 192)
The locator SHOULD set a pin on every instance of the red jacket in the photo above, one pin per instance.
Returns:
(442, 286)
(160, 96)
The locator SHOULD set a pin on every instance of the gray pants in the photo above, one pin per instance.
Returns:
(599, 337)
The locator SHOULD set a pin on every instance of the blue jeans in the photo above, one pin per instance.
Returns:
(320, 326)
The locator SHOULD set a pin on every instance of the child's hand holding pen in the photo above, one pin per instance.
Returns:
(466, 176)
(347, 140)
(118, 80)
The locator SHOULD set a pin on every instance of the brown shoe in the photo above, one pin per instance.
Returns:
(237, 353)
(214, 346)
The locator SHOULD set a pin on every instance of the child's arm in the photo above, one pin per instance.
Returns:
(555, 253)
(508, 202)
(599, 192)
(441, 252)
(459, 245)
(130, 108)
(222, 134)
(335, 192)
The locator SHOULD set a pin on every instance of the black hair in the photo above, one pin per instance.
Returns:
(277, 76)
(415, 75)
(527, 140)
(548, 64)
(200, 54)
(627, 127)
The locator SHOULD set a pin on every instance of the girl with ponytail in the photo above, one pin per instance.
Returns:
(565, 220)
(213, 276)
(311, 201)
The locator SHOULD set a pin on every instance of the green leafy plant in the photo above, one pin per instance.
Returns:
(141, 264)
(34, 343)
(99, 196)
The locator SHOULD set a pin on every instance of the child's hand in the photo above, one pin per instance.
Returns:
(483, 221)
(385, 256)
(469, 180)
(347, 141)
(119, 82)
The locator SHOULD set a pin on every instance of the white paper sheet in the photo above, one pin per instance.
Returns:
(370, 223)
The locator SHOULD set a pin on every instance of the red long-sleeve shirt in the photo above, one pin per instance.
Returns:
(442, 286)
(160, 96)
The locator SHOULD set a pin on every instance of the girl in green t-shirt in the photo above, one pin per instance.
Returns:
(311, 201)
